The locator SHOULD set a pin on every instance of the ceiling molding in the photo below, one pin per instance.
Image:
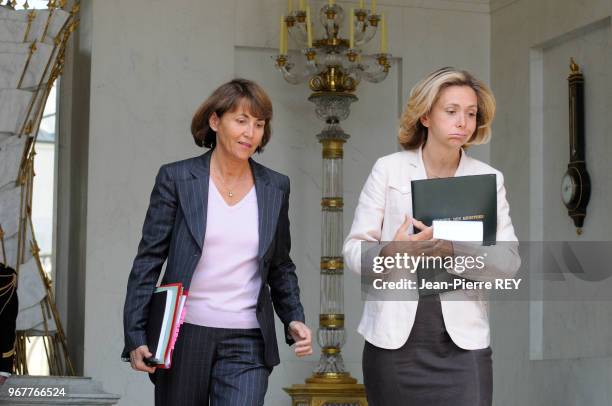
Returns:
(472, 6)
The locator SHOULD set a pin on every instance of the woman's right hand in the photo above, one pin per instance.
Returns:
(402, 235)
(137, 357)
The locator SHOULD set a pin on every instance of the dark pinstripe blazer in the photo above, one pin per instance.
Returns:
(174, 230)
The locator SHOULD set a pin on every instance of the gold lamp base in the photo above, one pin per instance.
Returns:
(329, 388)
(332, 378)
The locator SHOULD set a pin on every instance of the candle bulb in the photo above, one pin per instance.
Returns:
(361, 4)
(352, 29)
(302, 5)
(383, 35)
(309, 26)
(285, 38)
(331, 2)
(290, 6)
(281, 36)
(373, 6)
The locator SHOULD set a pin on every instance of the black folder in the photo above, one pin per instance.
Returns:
(461, 198)
(165, 317)
(157, 311)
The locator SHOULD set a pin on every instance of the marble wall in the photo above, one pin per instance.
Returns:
(552, 352)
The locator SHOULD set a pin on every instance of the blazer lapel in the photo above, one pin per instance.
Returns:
(193, 196)
(269, 201)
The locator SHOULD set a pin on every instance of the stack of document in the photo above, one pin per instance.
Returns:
(166, 314)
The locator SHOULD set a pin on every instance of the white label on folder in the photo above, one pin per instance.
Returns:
(457, 230)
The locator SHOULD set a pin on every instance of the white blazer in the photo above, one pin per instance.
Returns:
(383, 203)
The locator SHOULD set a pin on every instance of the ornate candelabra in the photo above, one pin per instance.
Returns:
(333, 67)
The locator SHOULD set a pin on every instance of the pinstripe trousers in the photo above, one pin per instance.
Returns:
(225, 366)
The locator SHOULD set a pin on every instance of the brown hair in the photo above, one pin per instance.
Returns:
(413, 134)
(228, 97)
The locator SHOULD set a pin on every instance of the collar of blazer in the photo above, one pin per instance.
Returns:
(269, 200)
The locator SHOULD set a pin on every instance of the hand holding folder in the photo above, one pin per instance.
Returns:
(462, 208)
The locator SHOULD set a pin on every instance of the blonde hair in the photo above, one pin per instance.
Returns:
(413, 134)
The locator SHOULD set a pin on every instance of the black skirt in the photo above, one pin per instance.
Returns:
(429, 369)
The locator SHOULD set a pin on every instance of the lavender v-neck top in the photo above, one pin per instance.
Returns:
(226, 281)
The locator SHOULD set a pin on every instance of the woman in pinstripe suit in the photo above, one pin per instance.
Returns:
(221, 222)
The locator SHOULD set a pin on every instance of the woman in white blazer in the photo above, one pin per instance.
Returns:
(433, 350)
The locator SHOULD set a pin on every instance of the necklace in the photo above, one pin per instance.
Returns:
(230, 193)
(229, 190)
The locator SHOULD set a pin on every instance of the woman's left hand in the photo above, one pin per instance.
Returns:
(303, 338)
